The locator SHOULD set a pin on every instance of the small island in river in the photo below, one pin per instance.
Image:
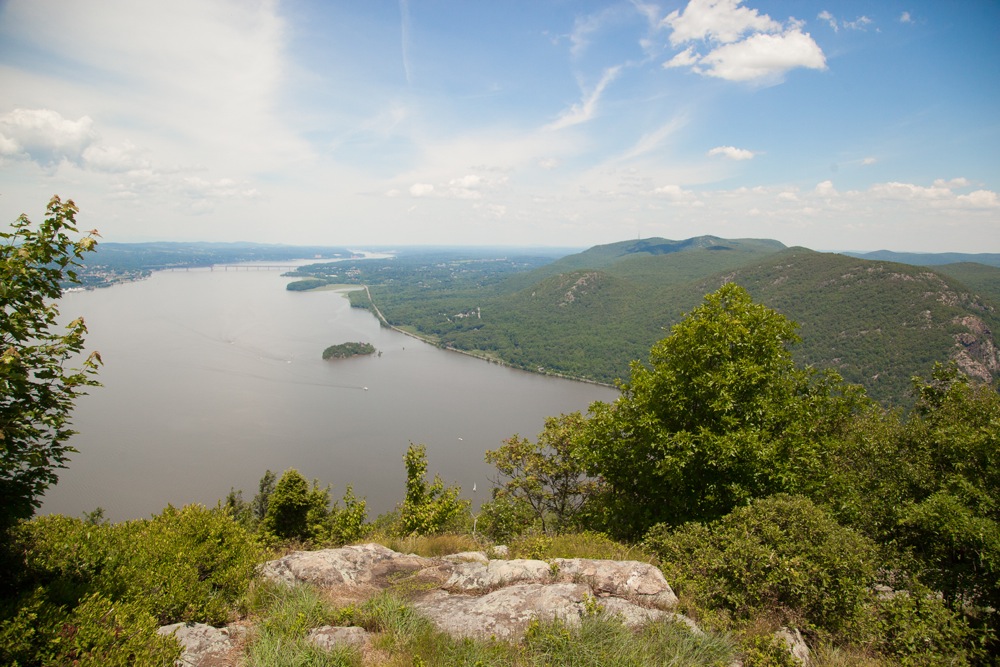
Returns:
(345, 350)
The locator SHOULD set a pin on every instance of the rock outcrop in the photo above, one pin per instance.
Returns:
(465, 595)
(469, 595)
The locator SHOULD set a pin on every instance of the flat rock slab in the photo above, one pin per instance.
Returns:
(468, 595)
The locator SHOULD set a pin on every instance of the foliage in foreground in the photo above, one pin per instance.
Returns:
(38, 385)
(102, 590)
(787, 560)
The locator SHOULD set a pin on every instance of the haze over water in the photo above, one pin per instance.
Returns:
(212, 377)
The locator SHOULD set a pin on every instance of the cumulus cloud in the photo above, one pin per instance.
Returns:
(744, 45)
(723, 21)
(763, 56)
(980, 199)
(732, 152)
(44, 136)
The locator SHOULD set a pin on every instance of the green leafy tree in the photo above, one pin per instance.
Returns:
(288, 508)
(427, 508)
(721, 416)
(347, 523)
(264, 490)
(546, 475)
(38, 382)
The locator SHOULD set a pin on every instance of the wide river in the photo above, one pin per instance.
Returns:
(212, 377)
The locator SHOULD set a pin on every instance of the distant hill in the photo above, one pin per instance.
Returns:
(590, 314)
(929, 258)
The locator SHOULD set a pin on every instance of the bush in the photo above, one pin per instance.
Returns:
(504, 518)
(190, 564)
(428, 509)
(782, 557)
(102, 633)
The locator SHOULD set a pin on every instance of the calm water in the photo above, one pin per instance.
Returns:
(213, 377)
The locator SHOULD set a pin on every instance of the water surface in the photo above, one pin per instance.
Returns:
(213, 377)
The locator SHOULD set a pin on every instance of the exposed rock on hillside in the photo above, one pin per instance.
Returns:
(468, 595)
(465, 595)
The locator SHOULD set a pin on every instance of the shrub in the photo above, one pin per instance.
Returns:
(288, 507)
(781, 556)
(102, 633)
(504, 518)
(188, 564)
(428, 508)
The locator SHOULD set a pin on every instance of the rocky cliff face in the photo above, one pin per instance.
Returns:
(976, 352)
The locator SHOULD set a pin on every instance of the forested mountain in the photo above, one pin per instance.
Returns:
(930, 258)
(589, 315)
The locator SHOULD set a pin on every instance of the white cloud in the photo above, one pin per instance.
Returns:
(905, 18)
(744, 45)
(732, 152)
(868, 161)
(763, 57)
(421, 189)
(548, 163)
(44, 136)
(723, 21)
(674, 193)
(587, 107)
(825, 189)
(952, 183)
(648, 143)
(860, 23)
(829, 18)
(114, 159)
(685, 58)
(980, 199)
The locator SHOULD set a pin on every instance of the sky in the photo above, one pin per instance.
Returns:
(834, 125)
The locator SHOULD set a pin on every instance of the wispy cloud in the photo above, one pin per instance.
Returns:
(585, 109)
(404, 30)
(648, 143)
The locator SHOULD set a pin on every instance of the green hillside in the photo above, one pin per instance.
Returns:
(589, 315)
(930, 258)
(876, 323)
(978, 277)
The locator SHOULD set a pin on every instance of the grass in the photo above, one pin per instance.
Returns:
(282, 617)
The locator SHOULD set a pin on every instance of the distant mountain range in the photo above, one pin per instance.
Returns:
(876, 322)
(875, 319)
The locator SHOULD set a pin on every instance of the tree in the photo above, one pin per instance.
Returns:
(427, 509)
(287, 514)
(264, 490)
(39, 380)
(547, 475)
(721, 416)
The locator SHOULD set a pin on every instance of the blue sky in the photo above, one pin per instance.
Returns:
(833, 125)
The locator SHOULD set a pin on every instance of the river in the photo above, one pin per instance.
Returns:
(211, 377)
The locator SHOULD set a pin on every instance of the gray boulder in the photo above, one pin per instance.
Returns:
(204, 646)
